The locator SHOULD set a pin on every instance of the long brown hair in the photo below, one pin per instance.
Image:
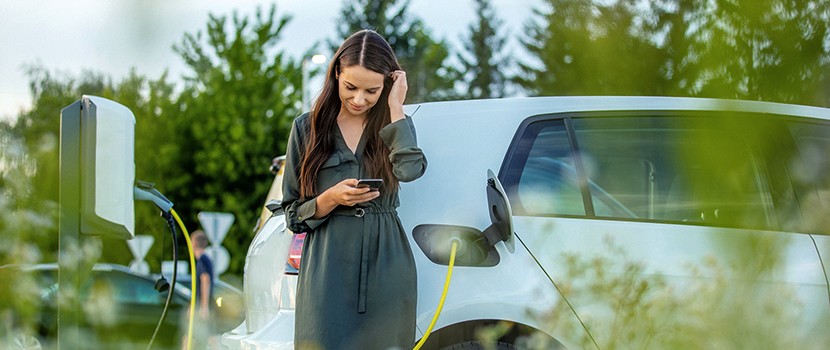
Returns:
(369, 50)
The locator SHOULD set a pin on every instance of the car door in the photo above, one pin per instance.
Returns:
(668, 228)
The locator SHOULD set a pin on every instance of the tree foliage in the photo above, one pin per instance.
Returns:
(586, 47)
(772, 50)
(483, 61)
(232, 118)
(424, 59)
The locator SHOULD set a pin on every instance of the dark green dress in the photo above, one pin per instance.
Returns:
(357, 284)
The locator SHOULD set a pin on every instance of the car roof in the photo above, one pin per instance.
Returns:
(523, 106)
(96, 267)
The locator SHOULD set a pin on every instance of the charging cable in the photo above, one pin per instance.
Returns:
(170, 289)
(192, 279)
(455, 243)
(145, 191)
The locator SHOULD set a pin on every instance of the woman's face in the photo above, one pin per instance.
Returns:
(359, 90)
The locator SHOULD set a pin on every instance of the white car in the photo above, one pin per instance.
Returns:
(613, 222)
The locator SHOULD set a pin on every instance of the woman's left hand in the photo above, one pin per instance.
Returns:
(397, 94)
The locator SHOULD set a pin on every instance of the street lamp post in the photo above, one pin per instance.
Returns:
(316, 60)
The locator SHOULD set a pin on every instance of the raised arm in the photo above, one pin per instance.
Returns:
(408, 161)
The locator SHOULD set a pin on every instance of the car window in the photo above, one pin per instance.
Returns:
(547, 181)
(809, 167)
(131, 289)
(673, 169)
(696, 169)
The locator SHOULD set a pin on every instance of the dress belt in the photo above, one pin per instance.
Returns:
(364, 252)
(360, 211)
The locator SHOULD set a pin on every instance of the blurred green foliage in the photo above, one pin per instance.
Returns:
(722, 305)
(25, 228)
(771, 50)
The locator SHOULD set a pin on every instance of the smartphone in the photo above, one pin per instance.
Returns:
(373, 184)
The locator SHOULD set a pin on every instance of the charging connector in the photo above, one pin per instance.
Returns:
(144, 191)
(461, 247)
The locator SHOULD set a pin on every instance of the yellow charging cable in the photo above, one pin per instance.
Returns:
(443, 297)
(192, 278)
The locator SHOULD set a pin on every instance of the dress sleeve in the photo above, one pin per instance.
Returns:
(298, 213)
(408, 161)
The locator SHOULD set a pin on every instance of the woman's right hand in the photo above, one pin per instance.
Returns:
(347, 193)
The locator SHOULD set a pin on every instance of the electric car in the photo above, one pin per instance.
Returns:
(602, 222)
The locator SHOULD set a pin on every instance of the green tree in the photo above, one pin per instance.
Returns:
(586, 47)
(772, 50)
(231, 119)
(484, 61)
(429, 75)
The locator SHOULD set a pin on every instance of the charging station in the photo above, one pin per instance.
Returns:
(97, 176)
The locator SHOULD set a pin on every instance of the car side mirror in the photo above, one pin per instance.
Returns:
(498, 207)
(273, 205)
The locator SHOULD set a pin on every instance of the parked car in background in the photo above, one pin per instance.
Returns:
(602, 222)
(125, 306)
(122, 308)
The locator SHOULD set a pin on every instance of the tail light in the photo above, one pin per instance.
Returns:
(295, 251)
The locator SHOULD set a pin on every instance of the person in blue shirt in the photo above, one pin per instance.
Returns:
(203, 322)
(204, 275)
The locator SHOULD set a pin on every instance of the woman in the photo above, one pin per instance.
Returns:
(357, 282)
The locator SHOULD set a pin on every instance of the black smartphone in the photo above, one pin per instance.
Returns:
(373, 184)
